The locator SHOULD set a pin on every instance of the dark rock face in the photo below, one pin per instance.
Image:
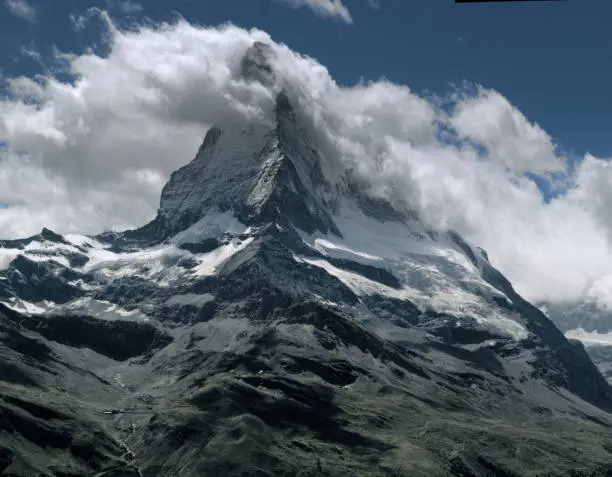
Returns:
(117, 340)
(573, 368)
(257, 64)
(586, 317)
(45, 235)
(205, 246)
(37, 423)
(35, 281)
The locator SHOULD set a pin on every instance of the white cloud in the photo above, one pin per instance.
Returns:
(21, 9)
(327, 8)
(127, 7)
(95, 154)
(128, 122)
(492, 121)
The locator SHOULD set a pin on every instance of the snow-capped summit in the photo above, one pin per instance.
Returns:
(257, 64)
(258, 171)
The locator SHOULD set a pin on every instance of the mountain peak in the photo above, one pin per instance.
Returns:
(257, 64)
(261, 171)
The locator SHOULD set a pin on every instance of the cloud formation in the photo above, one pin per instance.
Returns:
(21, 9)
(326, 8)
(93, 155)
(127, 7)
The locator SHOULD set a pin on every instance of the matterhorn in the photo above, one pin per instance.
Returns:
(277, 319)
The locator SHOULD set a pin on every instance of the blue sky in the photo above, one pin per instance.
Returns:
(551, 60)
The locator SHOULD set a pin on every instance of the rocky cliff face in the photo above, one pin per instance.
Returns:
(588, 322)
(274, 319)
